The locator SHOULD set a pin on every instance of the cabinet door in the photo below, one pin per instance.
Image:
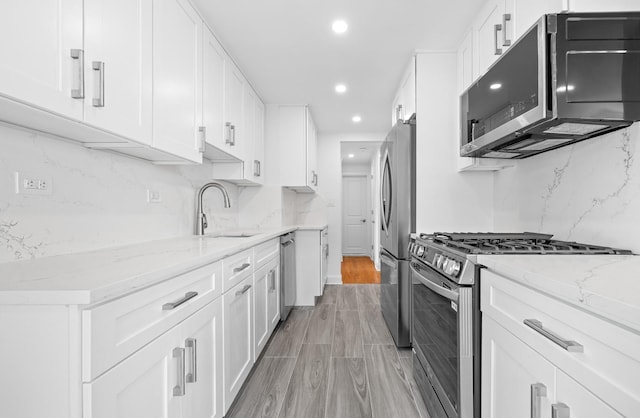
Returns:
(509, 369)
(238, 338)
(36, 65)
(273, 295)
(261, 288)
(118, 66)
(248, 131)
(524, 13)
(489, 44)
(177, 72)
(258, 143)
(142, 386)
(603, 6)
(202, 340)
(581, 402)
(312, 141)
(408, 91)
(213, 61)
(234, 96)
(465, 64)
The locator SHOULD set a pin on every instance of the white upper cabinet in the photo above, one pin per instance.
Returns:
(119, 66)
(501, 22)
(234, 106)
(41, 52)
(177, 78)
(291, 140)
(213, 62)
(404, 104)
(258, 145)
(603, 6)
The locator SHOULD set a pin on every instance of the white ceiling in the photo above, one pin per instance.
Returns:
(286, 48)
(362, 152)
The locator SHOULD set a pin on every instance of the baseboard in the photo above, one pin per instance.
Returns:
(337, 279)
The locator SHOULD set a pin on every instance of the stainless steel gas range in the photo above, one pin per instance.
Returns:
(446, 318)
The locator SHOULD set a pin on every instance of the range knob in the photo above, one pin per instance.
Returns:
(420, 251)
(452, 268)
(438, 260)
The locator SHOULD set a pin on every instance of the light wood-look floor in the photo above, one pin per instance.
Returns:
(359, 270)
(336, 359)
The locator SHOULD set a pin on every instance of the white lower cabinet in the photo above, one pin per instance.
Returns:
(544, 358)
(177, 375)
(266, 308)
(311, 274)
(513, 375)
(238, 338)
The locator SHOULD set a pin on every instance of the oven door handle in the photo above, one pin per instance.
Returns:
(442, 291)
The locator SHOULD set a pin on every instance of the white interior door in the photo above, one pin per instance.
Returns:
(356, 215)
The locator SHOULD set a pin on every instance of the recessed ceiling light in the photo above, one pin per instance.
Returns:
(495, 86)
(350, 155)
(341, 88)
(339, 26)
(356, 118)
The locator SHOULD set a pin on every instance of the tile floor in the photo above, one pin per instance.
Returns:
(336, 359)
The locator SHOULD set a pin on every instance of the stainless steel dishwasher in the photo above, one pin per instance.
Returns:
(287, 274)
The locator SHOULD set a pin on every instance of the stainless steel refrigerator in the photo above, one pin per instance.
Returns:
(398, 221)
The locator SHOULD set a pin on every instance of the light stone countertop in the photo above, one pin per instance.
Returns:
(95, 276)
(606, 285)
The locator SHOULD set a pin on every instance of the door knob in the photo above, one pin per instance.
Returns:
(364, 220)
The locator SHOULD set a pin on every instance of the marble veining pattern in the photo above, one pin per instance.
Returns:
(98, 199)
(587, 192)
(608, 285)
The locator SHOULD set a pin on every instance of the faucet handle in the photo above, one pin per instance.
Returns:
(205, 224)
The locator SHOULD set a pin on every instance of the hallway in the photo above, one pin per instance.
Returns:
(336, 359)
(359, 270)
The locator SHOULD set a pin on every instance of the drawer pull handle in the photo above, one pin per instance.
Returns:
(172, 305)
(560, 410)
(568, 345)
(538, 391)
(242, 267)
(192, 345)
(179, 389)
(244, 290)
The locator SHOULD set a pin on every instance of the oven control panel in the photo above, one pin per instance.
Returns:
(444, 263)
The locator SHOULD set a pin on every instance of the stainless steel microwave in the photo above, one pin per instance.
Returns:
(570, 77)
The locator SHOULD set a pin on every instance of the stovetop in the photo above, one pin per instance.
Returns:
(513, 243)
(453, 254)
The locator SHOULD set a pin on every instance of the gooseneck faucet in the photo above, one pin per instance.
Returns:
(201, 218)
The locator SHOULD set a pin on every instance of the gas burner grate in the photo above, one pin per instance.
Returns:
(514, 243)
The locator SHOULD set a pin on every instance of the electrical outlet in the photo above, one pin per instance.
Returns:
(33, 185)
(153, 196)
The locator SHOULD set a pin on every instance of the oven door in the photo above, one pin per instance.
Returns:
(442, 337)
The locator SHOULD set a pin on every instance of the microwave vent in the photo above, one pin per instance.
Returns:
(571, 128)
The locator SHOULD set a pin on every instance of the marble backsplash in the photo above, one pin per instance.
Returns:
(98, 200)
(588, 192)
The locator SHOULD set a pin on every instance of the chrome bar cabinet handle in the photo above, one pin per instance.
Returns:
(242, 267)
(244, 290)
(538, 391)
(496, 28)
(233, 135)
(256, 168)
(571, 346)
(98, 101)
(78, 55)
(192, 345)
(179, 389)
(505, 18)
(202, 130)
(560, 410)
(228, 133)
(172, 305)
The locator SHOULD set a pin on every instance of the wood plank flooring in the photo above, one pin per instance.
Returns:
(336, 359)
(359, 270)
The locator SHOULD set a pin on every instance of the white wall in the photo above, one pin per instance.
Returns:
(325, 206)
(98, 200)
(588, 192)
(446, 200)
